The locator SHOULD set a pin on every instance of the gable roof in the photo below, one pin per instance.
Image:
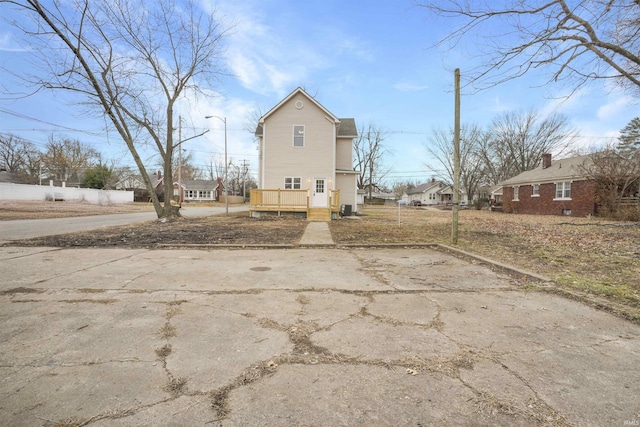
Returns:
(11, 177)
(198, 184)
(299, 90)
(346, 127)
(422, 188)
(561, 169)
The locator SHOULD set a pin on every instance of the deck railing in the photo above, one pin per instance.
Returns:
(288, 200)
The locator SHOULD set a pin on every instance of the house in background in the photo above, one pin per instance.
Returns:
(495, 197)
(427, 193)
(432, 193)
(305, 160)
(12, 177)
(553, 188)
(134, 182)
(198, 190)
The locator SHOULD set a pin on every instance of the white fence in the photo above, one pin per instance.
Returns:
(41, 192)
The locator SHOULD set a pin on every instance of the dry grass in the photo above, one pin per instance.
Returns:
(585, 255)
(26, 209)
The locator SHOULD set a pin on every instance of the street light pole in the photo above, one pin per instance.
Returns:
(226, 192)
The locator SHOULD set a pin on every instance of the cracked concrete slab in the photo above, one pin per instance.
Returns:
(357, 396)
(213, 346)
(300, 337)
(428, 270)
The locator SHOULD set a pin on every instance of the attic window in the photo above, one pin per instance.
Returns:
(298, 135)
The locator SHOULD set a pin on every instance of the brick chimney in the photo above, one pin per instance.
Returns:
(159, 175)
(546, 160)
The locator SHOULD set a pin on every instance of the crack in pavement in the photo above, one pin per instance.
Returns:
(310, 321)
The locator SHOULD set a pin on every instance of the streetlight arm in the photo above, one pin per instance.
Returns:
(191, 137)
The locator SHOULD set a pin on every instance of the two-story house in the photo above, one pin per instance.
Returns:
(305, 159)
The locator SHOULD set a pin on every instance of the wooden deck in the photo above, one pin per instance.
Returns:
(284, 201)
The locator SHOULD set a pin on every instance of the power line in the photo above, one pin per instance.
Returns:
(24, 116)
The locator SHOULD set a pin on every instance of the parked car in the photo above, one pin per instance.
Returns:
(402, 203)
(416, 203)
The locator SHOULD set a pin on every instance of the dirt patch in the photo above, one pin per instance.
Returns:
(236, 229)
(28, 209)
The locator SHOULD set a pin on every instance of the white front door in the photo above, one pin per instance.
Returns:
(319, 199)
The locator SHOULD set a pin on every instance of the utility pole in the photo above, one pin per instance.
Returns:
(456, 159)
(245, 169)
(180, 160)
(370, 176)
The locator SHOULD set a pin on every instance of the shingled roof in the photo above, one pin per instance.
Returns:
(562, 169)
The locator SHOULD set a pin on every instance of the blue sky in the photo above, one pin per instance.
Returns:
(370, 60)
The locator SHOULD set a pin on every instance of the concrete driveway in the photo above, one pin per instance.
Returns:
(313, 337)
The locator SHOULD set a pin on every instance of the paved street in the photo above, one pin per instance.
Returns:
(314, 337)
(30, 228)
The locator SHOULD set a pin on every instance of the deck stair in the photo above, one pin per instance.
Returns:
(319, 214)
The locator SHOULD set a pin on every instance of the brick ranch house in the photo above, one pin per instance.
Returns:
(553, 188)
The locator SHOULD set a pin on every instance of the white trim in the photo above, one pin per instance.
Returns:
(556, 198)
(263, 154)
(335, 149)
(516, 198)
(533, 189)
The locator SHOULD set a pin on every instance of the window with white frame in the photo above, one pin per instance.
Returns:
(298, 135)
(563, 190)
(536, 190)
(516, 194)
(292, 183)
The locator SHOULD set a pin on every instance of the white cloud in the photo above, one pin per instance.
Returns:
(615, 107)
(270, 54)
(408, 86)
(266, 59)
(8, 44)
(210, 146)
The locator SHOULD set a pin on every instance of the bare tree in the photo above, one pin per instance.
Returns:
(14, 152)
(369, 152)
(131, 62)
(616, 174)
(517, 141)
(183, 167)
(66, 159)
(575, 40)
(440, 147)
(215, 169)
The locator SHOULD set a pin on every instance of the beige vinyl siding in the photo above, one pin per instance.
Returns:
(346, 183)
(344, 154)
(314, 160)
